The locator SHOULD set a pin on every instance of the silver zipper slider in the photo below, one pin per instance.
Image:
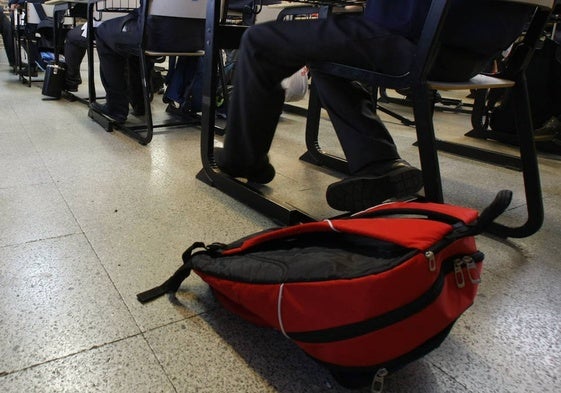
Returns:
(459, 274)
(432, 260)
(471, 269)
(378, 381)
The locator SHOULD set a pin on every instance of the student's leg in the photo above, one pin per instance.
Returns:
(271, 52)
(362, 135)
(75, 47)
(134, 84)
(7, 38)
(112, 38)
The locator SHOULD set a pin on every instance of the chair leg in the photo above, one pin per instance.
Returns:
(17, 51)
(530, 168)
(222, 78)
(423, 111)
(479, 114)
(90, 54)
(145, 76)
(383, 97)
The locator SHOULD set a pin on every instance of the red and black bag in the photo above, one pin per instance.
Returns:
(363, 295)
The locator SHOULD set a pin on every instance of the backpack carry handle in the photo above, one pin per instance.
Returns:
(173, 283)
(486, 217)
(494, 210)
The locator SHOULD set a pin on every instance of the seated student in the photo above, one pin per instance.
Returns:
(383, 39)
(117, 43)
(184, 79)
(33, 57)
(6, 29)
(75, 48)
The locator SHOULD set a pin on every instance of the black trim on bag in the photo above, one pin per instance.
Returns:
(307, 257)
(381, 321)
(357, 377)
(429, 214)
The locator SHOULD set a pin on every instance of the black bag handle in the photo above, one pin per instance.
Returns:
(172, 284)
(494, 210)
(486, 217)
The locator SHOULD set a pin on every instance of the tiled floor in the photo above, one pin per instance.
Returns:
(88, 219)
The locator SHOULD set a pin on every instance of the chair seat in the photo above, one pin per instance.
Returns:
(480, 81)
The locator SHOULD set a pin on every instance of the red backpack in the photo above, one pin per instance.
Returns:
(363, 295)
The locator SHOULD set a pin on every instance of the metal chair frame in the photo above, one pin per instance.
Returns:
(423, 106)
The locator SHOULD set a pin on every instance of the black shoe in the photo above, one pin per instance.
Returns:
(262, 173)
(182, 113)
(373, 185)
(70, 87)
(548, 131)
(103, 109)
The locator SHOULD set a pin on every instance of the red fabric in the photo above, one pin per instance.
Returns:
(320, 305)
(407, 232)
(412, 232)
(465, 214)
(400, 338)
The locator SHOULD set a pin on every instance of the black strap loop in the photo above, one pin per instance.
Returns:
(494, 210)
(486, 217)
(172, 284)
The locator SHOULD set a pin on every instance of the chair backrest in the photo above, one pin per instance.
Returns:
(107, 15)
(109, 9)
(538, 3)
(31, 14)
(117, 5)
(33, 17)
(428, 45)
(17, 19)
(173, 26)
(194, 9)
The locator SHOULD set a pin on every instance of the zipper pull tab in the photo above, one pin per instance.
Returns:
(378, 381)
(471, 269)
(432, 260)
(459, 274)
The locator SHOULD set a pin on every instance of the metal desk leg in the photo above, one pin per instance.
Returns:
(228, 37)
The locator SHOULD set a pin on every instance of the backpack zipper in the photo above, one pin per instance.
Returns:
(471, 270)
(378, 381)
(430, 214)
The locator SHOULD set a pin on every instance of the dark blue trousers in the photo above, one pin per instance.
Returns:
(272, 51)
(117, 42)
(6, 29)
(75, 47)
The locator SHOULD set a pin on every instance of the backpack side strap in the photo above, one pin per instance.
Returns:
(494, 210)
(172, 284)
(486, 217)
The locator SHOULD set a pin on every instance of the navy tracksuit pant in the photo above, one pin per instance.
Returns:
(117, 43)
(270, 52)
